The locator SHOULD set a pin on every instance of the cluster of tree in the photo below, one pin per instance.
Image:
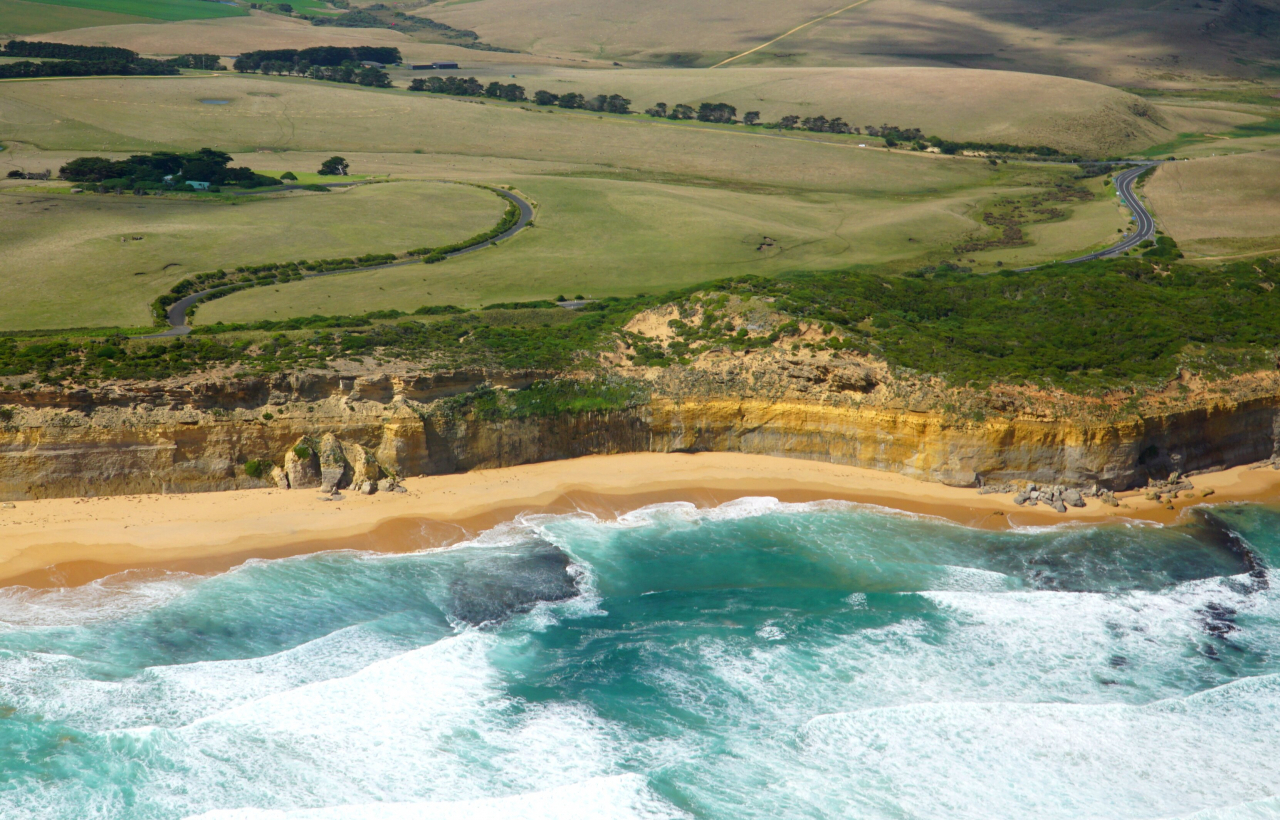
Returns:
(325, 56)
(205, 62)
(356, 18)
(605, 103)
(468, 87)
(163, 170)
(953, 147)
(707, 112)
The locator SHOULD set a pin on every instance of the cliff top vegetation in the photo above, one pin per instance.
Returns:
(1082, 328)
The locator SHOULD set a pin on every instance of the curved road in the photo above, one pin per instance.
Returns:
(177, 313)
(1145, 225)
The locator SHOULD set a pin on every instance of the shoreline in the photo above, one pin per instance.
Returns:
(73, 541)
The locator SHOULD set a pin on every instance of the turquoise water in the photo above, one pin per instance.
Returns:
(759, 660)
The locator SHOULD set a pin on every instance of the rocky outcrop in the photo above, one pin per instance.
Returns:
(301, 465)
(335, 473)
(334, 431)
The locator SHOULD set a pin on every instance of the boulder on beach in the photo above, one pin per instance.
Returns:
(335, 472)
(302, 466)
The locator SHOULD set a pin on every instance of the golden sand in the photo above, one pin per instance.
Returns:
(71, 541)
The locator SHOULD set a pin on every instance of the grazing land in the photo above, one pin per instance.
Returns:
(1125, 42)
(1220, 206)
(993, 106)
(87, 260)
(21, 17)
(167, 10)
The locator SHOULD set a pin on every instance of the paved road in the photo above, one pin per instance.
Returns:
(177, 313)
(1145, 226)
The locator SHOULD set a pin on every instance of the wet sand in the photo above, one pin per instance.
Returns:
(67, 542)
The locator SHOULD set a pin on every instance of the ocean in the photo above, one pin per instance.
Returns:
(756, 660)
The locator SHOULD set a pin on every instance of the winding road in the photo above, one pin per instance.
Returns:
(177, 313)
(1145, 225)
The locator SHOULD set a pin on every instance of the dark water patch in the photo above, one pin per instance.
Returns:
(216, 102)
(1217, 532)
(496, 586)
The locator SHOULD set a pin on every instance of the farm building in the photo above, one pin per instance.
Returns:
(432, 66)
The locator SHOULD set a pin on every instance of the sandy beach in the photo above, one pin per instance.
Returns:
(61, 542)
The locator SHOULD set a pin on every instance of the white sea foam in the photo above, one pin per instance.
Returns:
(621, 797)
(116, 596)
(1055, 760)
(429, 724)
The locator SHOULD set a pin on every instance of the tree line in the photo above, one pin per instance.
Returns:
(331, 63)
(326, 56)
(78, 61)
(471, 87)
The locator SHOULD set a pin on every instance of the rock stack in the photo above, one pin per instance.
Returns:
(333, 465)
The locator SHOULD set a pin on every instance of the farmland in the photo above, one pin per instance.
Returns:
(99, 260)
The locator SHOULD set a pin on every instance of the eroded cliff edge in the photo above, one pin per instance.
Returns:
(218, 433)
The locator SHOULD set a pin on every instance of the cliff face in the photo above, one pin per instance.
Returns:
(198, 436)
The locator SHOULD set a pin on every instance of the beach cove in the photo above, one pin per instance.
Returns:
(57, 542)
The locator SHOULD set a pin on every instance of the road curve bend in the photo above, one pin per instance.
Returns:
(176, 315)
(1145, 224)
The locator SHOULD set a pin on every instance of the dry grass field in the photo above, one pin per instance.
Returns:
(302, 115)
(232, 36)
(1120, 42)
(1220, 206)
(90, 260)
(997, 106)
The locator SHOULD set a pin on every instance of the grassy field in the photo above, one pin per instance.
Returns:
(98, 260)
(599, 237)
(1220, 206)
(233, 35)
(625, 203)
(961, 104)
(20, 17)
(168, 10)
(1118, 42)
(299, 115)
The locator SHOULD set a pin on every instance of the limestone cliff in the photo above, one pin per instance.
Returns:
(202, 435)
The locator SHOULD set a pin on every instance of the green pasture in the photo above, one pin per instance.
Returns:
(610, 237)
(88, 260)
(22, 17)
(168, 10)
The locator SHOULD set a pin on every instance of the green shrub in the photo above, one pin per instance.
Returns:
(302, 452)
(256, 468)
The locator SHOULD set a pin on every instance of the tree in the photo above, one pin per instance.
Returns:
(289, 175)
(617, 104)
(545, 98)
(659, 110)
(334, 167)
(418, 84)
(681, 112)
(751, 118)
(788, 122)
(572, 100)
(717, 112)
(373, 78)
(494, 90)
